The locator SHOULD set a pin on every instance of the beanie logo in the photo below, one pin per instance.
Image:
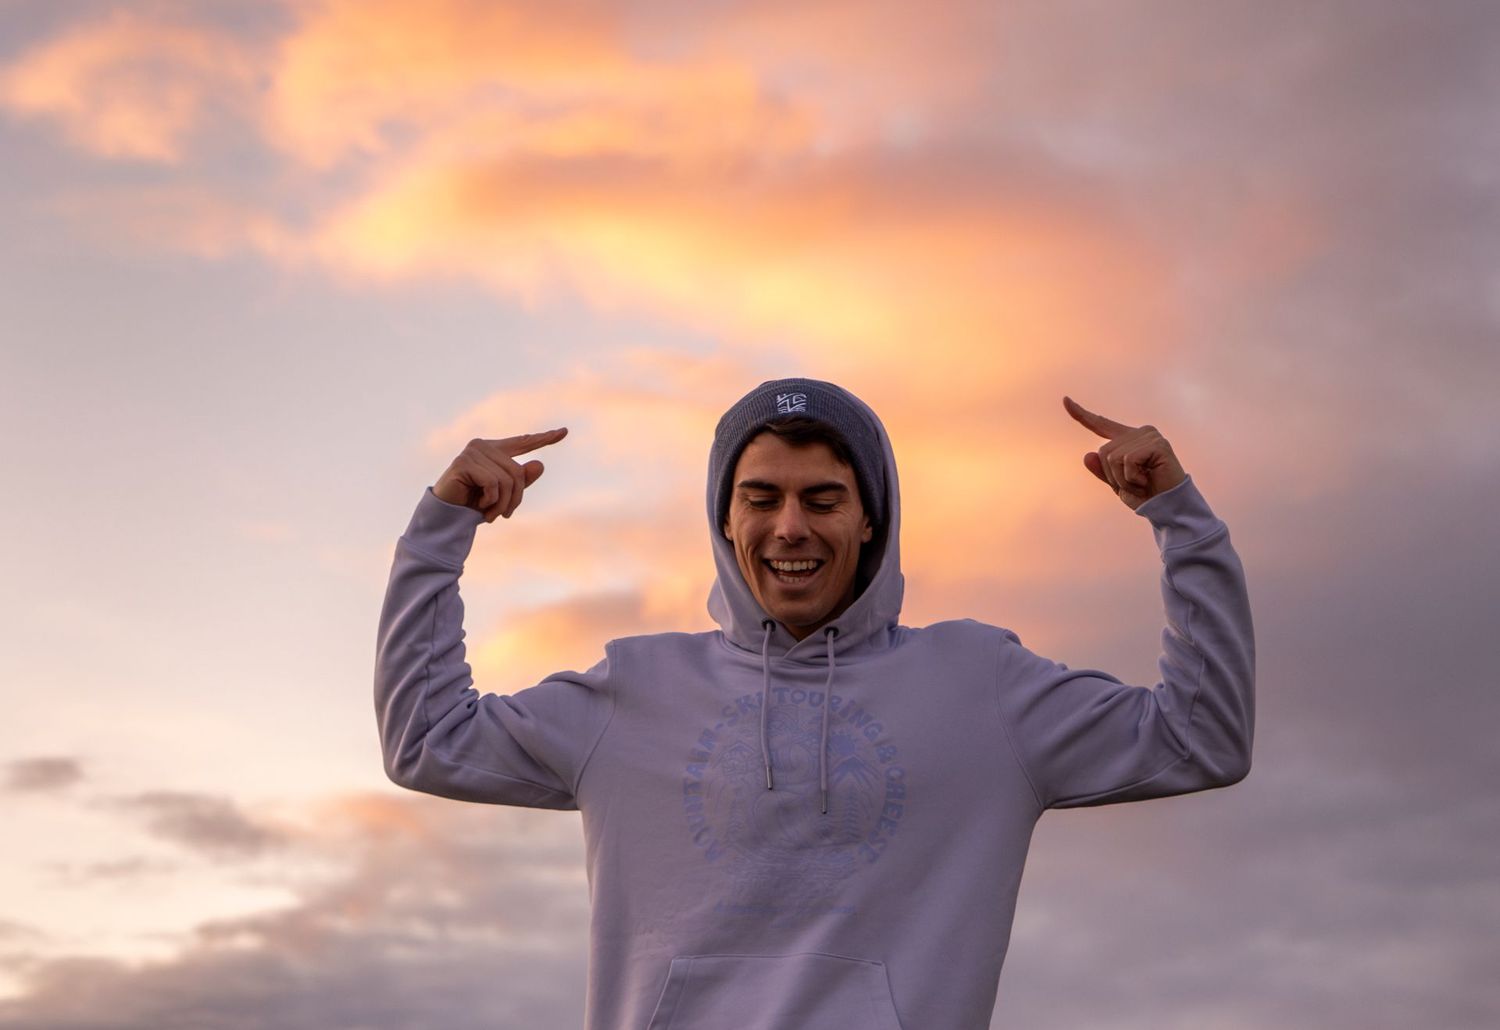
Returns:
(786, 403)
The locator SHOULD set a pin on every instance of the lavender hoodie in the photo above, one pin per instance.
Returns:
(874, 884)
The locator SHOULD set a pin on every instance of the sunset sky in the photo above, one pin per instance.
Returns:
(267, 267)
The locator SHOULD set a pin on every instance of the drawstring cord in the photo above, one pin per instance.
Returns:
(765, 707)
(765, 696)
(828, 635)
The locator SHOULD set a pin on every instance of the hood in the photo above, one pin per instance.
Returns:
(867, 623)
(866, 626)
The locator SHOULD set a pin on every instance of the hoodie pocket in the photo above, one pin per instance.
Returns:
(804, 991)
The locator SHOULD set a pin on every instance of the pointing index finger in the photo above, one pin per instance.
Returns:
(514, 445)
(1105, 427)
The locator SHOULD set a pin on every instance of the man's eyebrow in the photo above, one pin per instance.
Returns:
(831, 486)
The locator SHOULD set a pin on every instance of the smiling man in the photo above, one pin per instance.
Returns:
(813, 817)
(797, 522)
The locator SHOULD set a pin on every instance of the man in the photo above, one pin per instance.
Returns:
(814, 818)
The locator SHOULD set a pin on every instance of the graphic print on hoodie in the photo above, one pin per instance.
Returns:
(719, 903)
(783, 856)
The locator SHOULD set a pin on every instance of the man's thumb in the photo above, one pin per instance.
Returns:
(533, 471)
(1093, 463)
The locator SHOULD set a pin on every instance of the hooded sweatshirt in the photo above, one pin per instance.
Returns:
(824, 834)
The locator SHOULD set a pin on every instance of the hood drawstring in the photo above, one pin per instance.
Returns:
(765, 707)
(765, 697)
(828, 635)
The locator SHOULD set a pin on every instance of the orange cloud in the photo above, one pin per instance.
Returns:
(342, 819)
(706, 182)
(844, 258)
(707, 176)
(364, 77)
(126, 86)
(527, 648)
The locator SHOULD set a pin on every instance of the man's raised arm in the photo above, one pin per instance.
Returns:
(437, 733)
(1086, 738)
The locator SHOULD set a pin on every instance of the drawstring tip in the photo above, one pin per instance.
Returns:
(825, 802)
(768, 779)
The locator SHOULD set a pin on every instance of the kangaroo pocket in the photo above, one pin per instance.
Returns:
(805, 991)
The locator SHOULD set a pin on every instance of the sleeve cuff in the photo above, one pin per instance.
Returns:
(442, 530)
(1180, 516)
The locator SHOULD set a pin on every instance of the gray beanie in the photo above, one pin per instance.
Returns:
(814, 399)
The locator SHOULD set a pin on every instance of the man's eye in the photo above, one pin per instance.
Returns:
(821, 506)
(759, 503)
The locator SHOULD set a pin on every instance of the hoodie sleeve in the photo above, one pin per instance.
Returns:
(1085, 738)
(438, 734)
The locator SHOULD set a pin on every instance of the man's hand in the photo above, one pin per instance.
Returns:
(486, 477)
(1137, 463)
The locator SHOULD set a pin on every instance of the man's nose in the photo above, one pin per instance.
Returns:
(791, 522)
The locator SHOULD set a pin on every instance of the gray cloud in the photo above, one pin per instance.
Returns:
(131, 867)
(1350, 881)
(451, 915)
(10, 930)
(206, 823)
(1285, 901)
(18, 944)
(42, 773)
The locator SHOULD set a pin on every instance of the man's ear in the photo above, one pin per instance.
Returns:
(725, 530)
(868, 532)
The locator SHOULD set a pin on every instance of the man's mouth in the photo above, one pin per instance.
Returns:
(794, 571)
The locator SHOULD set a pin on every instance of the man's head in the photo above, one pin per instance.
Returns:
(797, 473)
(797, 522)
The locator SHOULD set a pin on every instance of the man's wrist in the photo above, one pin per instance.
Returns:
(442, 530)
(1180, 515)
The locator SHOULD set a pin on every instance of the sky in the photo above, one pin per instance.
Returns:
(267, 267)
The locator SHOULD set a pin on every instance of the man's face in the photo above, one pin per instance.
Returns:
(796, 505)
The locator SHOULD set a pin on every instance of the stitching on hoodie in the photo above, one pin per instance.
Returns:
(1223, 527)
(433, 749)
(1191, 708)
(431, 557)
(1073, 800)
(1202, 664)
(446, 757)
(1183, 738)
(609, 655)
(784, 955)
(1005, 727)
(427, 669)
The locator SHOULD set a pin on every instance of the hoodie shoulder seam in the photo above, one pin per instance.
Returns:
(1010, 739)
(609, 654)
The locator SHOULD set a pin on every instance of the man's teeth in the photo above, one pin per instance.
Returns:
(793, 566)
